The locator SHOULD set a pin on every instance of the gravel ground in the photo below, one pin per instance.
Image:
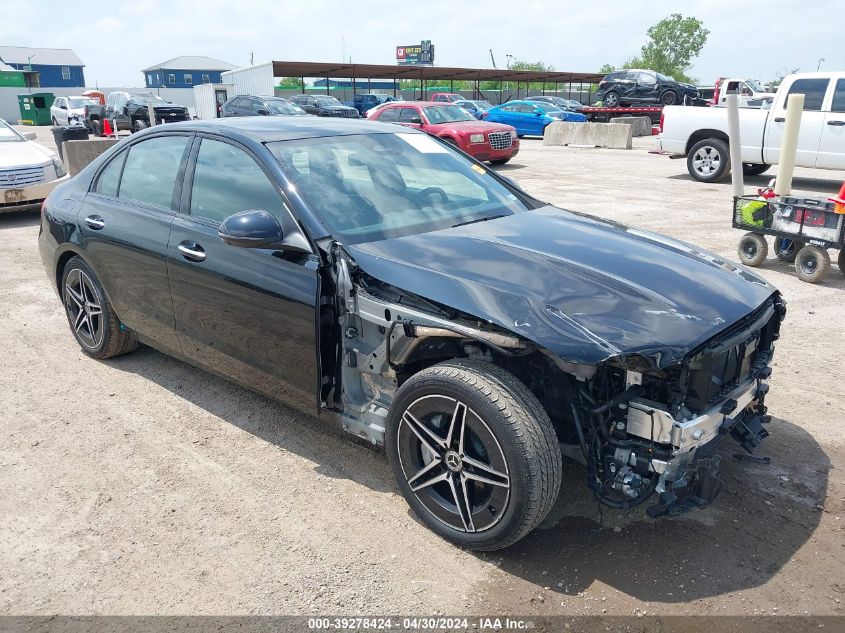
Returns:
(141, 485)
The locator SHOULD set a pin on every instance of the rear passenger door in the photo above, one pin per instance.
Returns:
(246, 313)
(832, 146)
(124, 224)
(815, 91)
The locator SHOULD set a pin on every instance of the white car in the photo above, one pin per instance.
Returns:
(70, 110)
(28, 171)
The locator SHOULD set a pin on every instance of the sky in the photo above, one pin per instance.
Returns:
(116, 39)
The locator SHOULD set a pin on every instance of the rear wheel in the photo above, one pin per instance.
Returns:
(96, 127)
(709, 160)
(786, 249)
(841, 261)
(92, 319)
(473, 453)
(753, 249)
(812, 264)
(138, 125)
(611, 99)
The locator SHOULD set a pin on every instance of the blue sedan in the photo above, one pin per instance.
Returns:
(478, 109)
(530, 118)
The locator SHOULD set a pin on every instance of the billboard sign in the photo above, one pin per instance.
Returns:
(421, 54)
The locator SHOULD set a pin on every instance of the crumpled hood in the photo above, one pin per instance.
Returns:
(584, 288)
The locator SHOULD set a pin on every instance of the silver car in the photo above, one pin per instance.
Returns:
(70, 110)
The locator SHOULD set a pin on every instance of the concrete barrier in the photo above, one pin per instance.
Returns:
(79, 154)
(640, 125)
(610, 135)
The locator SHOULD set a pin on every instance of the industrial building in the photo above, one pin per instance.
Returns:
(185, 72)
(45, 67)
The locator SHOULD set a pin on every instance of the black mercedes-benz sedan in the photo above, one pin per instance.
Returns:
(387, 283)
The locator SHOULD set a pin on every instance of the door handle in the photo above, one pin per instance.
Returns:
(837, 123)
(96, 222)
(779, 119)
(191, 251)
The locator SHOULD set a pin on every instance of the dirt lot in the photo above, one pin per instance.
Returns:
(144, 486)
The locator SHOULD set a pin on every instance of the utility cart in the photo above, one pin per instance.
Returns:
(804, 229)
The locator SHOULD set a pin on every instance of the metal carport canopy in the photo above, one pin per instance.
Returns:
(386, 71)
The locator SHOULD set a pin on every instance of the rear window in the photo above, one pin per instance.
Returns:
(813, 91)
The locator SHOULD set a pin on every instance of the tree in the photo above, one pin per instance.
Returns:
(673, 43)
(606, 69)
(290, 83)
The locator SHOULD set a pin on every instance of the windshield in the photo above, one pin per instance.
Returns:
(446, 114)
(482, 105)
(755, 85)
(369, 187)
(330, 101)
(80, 103)
(283, 106)
(144, 97)
(9, 134)
(548, 108)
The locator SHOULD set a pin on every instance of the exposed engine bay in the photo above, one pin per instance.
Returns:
(638, 428)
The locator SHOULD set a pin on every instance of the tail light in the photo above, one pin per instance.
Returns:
(85, 111)
(662, 118)
(716, 91)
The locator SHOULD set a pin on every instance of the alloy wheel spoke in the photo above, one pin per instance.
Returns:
(484, 473)
(434, 463)
(93, 309)
(77, 298)
(462, 503)
(81, 319)
(429, 439)
(443, 476)
(456, 426)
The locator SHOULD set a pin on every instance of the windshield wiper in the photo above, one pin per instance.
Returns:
(484, 219)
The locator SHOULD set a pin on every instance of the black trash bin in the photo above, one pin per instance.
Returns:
(62, 133)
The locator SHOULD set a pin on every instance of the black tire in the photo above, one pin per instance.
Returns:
(100, 335)
(138, 125)
(500, 418)
(841, 261)
(611, 99)
(500, 161)
(753, 249)
(812, 264)
(709, 160)
(670, 97)
(96, 127)
(786, 249)
(754, 169)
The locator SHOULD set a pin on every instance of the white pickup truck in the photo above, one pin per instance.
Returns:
(701, 134)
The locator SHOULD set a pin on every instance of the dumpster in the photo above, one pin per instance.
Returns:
(35, 108)
(62, 133)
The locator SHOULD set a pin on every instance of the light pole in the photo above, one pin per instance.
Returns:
(29, 64)
(509, 59)
(819, 65)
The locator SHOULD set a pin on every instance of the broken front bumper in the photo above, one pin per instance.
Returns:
(689, 478)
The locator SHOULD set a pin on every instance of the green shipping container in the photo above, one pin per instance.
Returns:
(35, 108)
(12, 79)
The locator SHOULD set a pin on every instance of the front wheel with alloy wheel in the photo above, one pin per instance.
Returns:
(92, 319)
(473, 453)
(611, 99)
(709, 160)
(669, 97)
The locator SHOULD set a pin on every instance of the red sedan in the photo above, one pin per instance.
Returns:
(493, 142)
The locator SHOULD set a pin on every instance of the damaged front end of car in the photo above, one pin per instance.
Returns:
(640, 427)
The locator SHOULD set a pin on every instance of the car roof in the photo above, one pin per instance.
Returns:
(269, 129)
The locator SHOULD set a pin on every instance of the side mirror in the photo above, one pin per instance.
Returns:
(538, 113)
(263, 112)
(254, 228)
(416, 120)
(29, 136)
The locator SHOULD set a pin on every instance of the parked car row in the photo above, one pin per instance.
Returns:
(130, 111)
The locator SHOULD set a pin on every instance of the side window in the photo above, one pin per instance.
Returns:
(389, 114)
(150, 171)
(109, 178)
(509, 108)
(839, 97)
(406, 114)
(188, 78)
(256, 105)
(813, 91)
(227, 180)
(645, 78)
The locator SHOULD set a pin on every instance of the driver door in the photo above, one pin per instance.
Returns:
(246, 313)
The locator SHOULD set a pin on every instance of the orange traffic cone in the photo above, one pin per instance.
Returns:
(839, 201)
(107, 128)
